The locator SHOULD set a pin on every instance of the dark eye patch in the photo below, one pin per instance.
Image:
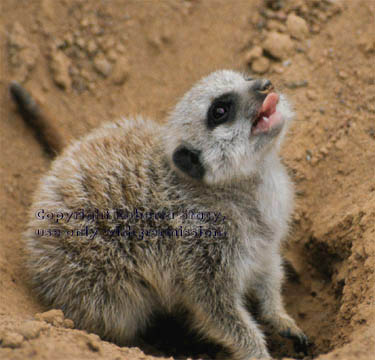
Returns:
(222, 110)
(187, 159)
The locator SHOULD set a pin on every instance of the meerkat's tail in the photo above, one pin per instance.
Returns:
(37, 119)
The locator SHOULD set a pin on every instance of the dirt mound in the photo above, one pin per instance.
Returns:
(88, 62)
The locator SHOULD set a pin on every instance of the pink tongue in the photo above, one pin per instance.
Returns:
(262, 125)
(268, 110)
(269, 104)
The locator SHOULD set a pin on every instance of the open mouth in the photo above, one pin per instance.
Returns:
(267, 117)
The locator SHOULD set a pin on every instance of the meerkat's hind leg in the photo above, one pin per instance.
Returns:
(37, 118)
(120, 319)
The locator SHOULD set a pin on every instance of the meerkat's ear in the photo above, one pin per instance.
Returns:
(188, 161)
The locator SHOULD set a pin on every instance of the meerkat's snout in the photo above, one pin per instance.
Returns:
(264, 87)
(267, 120)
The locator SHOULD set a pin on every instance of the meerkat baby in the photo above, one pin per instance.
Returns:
(113, 234)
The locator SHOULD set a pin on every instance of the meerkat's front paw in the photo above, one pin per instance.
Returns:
(300, 340)
(286, 327)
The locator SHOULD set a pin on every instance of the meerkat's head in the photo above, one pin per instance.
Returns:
(224, 127)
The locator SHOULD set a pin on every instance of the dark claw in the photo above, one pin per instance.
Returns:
(286, 334)
(300, 342)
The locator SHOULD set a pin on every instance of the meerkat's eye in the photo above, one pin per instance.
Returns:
(222, 110)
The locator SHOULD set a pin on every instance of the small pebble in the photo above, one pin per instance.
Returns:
(68, 323)
(108, 43)
(367, 45)
(102, 66)
(11, 340)
(281, 15)
(31, 329)
(342, 143)
(60, 64)
(308, 155)
(343, 75)
(276, 25)
(81, 42)
(297, 27)
(68, 38)
(260, 65)
(121, 71)
(323, 150)
(85, 22)
(92, 47)
(278, 45)
(268, 14)
(296, 84)
(311, 95)
(112, 55)
(85, 74)
(54, 317)
(322, 17)
(120, 48)
(254, 53)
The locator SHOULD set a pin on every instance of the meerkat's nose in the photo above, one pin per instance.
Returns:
(263, 87)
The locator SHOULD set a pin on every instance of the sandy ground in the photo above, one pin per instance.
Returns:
(90, 61)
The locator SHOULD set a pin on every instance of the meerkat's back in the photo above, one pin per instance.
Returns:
(71, 265)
